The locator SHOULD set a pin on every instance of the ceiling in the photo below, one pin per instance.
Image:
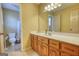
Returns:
(11, 6)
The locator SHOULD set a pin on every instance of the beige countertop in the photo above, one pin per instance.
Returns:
(65, 37)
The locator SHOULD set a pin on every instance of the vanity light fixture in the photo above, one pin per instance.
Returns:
(52, 6)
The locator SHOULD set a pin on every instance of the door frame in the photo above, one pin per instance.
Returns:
(3, 41)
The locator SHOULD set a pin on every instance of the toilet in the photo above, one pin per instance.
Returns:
(12, 38)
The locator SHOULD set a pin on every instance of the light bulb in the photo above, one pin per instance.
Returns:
(52, 4)
(55, 6)
(59, 5)
(45, 8)
(48, 6)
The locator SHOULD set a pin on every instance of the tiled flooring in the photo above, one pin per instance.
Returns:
(16, 51)
(16, 47)
(19, 53)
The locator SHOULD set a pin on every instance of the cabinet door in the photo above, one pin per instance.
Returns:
(53, 52)
(39, 48)
(44, 49)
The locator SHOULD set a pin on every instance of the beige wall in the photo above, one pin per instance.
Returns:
(10, 19)
(65, 17)
(29, 18)
(32, 20)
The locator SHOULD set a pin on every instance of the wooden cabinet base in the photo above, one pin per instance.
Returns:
(51, 47)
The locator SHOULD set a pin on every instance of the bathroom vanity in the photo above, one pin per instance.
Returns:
(56, 44)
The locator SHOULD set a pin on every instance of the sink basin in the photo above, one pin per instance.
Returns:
(48, 33)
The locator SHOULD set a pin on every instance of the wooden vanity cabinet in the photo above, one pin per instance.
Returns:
(69, 49)
(54, 47)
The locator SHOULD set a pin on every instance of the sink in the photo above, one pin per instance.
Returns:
(46, 33)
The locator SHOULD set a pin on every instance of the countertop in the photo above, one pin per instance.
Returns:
(65, 37)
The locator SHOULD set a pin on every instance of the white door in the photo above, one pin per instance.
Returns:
(1, 32)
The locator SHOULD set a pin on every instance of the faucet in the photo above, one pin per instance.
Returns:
(46, 31)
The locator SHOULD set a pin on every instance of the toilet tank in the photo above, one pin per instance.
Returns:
(11, 35)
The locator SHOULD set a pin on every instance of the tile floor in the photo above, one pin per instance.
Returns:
(16, 51)
(19, 53)
(16, 47)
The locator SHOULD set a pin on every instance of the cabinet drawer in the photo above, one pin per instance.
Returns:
(69, 48)
(54, 43)
(43, 39)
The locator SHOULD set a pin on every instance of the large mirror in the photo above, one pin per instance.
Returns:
(61, 17)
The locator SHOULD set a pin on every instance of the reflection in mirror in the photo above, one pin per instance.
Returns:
(54, 23)
(64, 18)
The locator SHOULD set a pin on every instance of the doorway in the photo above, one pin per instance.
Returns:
(12, 27)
